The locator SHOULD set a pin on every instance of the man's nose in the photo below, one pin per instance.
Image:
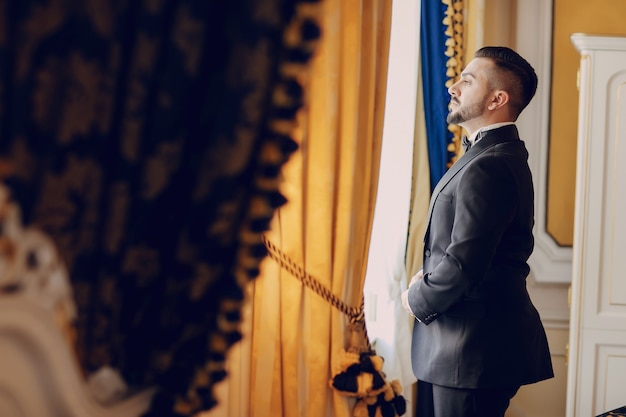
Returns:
(452, 90)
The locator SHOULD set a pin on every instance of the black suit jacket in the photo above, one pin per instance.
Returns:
(479, 328)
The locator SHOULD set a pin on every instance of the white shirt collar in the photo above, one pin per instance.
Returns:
(475, 138)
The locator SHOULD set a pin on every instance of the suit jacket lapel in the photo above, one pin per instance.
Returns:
(493, 137)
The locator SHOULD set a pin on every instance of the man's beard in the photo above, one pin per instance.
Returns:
(465, 113)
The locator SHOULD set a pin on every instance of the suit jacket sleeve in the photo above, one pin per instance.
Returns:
(482, 202)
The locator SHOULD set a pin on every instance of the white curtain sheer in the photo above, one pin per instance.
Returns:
(388, 325)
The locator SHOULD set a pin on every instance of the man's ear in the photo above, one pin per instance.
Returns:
(498, 100)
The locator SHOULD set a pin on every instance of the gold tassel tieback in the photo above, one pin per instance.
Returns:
(360, 369)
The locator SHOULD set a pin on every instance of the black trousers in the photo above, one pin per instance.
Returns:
(437, 401)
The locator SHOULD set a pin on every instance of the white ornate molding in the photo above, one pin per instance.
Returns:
(30, 263)
(584, 42)
(550, 263)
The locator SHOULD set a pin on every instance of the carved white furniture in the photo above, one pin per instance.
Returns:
(39, 372)
(597, 346)
(39, 376)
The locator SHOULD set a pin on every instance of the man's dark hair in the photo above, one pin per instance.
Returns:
(517, 75)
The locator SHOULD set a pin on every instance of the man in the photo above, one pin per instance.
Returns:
(477, 336)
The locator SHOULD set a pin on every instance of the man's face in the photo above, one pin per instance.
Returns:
(470, 95)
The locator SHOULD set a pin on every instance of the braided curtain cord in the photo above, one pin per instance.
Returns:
(356, 315)
(361, 375)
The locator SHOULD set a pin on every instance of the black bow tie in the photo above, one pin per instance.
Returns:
(465, 143)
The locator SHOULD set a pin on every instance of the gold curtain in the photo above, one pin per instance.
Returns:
(331, 183)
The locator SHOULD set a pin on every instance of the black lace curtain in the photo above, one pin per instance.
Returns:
(146, 138)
